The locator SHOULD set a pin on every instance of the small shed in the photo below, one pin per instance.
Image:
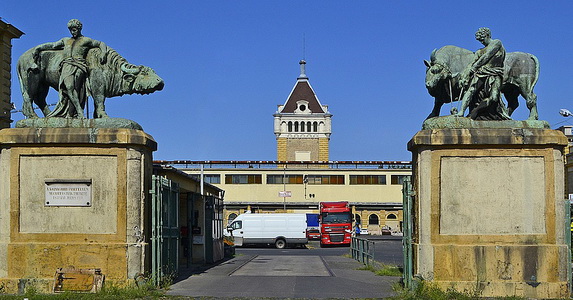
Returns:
(187, 221)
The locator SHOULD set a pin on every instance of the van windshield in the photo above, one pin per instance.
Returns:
(337, 217)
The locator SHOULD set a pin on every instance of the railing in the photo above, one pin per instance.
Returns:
(190, 164)
(362, 250)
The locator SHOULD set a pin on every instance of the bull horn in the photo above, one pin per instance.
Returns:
(433, 55)
(132, 70)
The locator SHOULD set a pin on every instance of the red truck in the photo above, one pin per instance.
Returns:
(335, 223)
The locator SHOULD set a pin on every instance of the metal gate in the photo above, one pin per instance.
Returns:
(165, 233)
(408, 195)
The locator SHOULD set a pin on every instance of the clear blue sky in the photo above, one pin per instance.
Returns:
(228, 64)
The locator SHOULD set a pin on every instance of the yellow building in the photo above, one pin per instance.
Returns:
(373, 188)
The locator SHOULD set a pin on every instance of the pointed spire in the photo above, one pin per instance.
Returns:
(302, 70)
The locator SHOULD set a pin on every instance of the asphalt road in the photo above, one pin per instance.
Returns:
(307, 273)
(386, 250)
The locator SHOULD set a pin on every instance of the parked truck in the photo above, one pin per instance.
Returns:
(278, 229)
(335, 223)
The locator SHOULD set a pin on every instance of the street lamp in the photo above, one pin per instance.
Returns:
(564, 112)
(305, 181)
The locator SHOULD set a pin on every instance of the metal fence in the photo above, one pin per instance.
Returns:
(362, 250)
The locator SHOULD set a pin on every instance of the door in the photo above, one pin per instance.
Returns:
(165, 233)
(237, 232)
(407, 196)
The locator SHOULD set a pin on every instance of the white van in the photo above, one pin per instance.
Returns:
(277, 229)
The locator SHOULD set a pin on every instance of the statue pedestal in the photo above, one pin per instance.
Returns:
(490, 213)
(73, 197)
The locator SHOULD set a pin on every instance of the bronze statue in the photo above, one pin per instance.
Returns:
(73, 70)
(77, 67)
(482, 80)
(454, 73)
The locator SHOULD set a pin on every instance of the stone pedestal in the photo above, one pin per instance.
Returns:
(72, 197)
(490, 214)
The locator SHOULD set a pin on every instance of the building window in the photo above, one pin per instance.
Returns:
(231, 218)
(398, 179)
(209, 178)
(289, 126)
(367, 179)
(212, 178)
(315, 126)
(325, 179)
(243, 179)
(391, 217)
(302, 126)
(282, 179)
(373, 220)
(295, 126)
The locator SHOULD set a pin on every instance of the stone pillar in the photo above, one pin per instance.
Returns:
(104, 228)
(490, 214)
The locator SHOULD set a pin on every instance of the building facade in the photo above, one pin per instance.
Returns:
(373, 188)
(7, 33)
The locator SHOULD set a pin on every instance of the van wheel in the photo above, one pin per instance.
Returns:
(280, 244)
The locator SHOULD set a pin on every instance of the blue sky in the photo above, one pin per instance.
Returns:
(228, 64)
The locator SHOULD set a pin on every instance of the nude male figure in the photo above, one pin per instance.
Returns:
(74, 70)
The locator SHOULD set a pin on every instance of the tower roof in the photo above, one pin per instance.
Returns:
(302, 91)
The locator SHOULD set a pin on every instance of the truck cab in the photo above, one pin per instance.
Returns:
(335, 223)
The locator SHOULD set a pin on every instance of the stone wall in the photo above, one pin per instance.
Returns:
(489, 213)
(37, 237)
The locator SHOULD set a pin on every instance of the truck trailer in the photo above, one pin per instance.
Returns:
(278, 229)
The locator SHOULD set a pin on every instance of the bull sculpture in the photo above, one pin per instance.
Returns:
(116, 77)
(446, 65)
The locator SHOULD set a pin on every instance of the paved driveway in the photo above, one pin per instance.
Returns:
(256, 276)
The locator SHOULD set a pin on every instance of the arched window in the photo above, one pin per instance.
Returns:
(308, 126)
(231, 218)
(289, 126)
(302, 126)
(295, 126)
(391, 217)
(373, 220)
(357, 219)
(315, 126)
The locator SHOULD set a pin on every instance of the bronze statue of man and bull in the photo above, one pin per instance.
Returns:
(79, 66)
(478, 79)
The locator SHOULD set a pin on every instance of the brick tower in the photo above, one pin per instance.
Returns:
(302, 124)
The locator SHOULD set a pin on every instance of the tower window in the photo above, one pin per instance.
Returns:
(289, 126)
(295, 126)
(315, 126)
(302, 127)
(302, 107)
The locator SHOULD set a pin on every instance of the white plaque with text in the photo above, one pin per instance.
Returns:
(66, 192)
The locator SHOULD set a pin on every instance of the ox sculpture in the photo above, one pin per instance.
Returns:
(446, 65)
(116, 77)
